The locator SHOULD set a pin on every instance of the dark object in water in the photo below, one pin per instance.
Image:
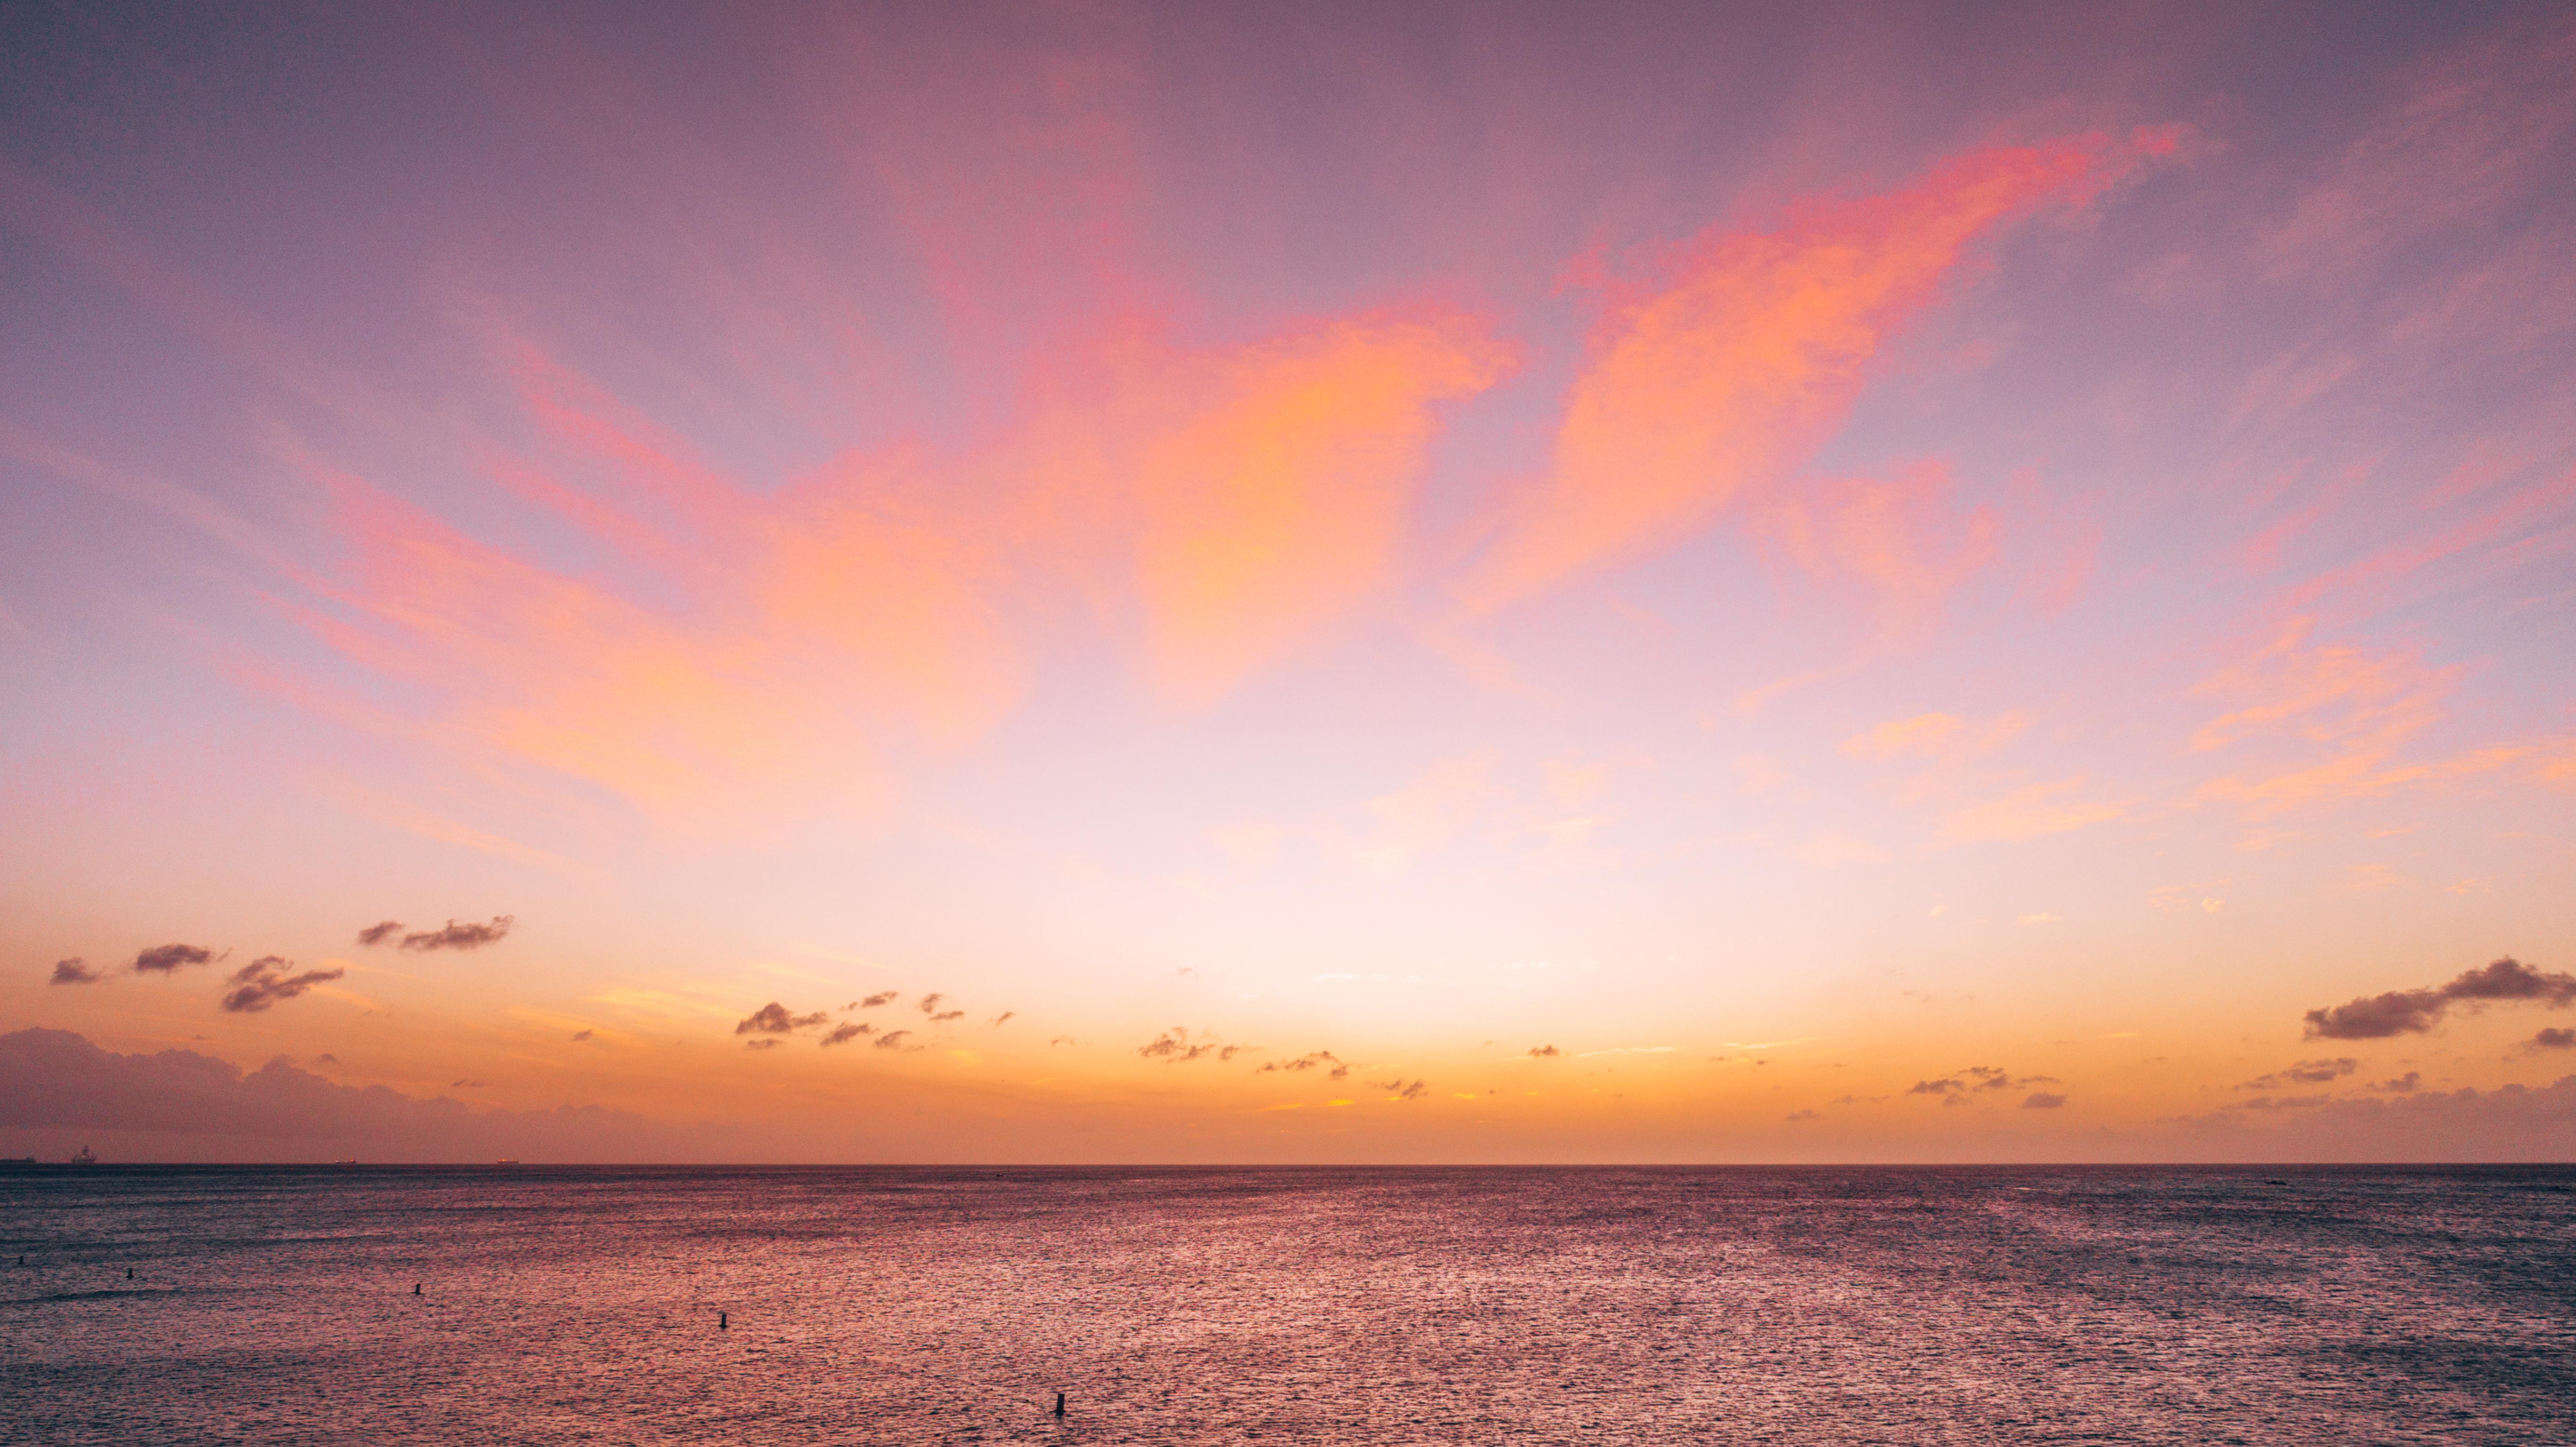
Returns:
(1059, 1404)
(415, 1288)
(129, 1273)
(720, 1322)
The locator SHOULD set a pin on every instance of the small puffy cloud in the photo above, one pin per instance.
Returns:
(1956, 1087)
(583, 1034)
(893, 1039)
(2042, 1100)
(1544, 1052)
(2406, 1084)
(73, 972)
(1403, 1089)
(1802, 1115)
(2412, 1012)
(1231, 1051)
(1005, 1018)
(847, 1032)
(1174, 1046)
(929, 1004)
(1313, 1060)
(771, 1043)
(163, 959)
(882, 997)
(775, 1019)
(378, 933)
(271, 978)
(944, 1016)
(2554, 1039)
(2305, 1072)
(454, 936)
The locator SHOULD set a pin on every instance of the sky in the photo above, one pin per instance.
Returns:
(1283, 583)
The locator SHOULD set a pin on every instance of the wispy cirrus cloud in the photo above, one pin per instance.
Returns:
(1729, 368)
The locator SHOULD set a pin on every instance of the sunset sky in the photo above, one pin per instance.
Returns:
(1288, 582)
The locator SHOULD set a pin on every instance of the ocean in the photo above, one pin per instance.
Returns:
(1821, 1306)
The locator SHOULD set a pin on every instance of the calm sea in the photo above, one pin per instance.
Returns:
(1823, 1306)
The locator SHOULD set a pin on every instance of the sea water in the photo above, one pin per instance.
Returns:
(1806, 1306)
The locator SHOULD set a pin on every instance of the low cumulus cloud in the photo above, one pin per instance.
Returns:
(165, 959)
(2305, 1072)
(775, 1019)
(1957, 1087)
(73, 972)
(2408, 1083)
(1174, 1046)
(882, 997)
(929, 1004)
(1403, 1089)
(583, 1034)
(376, 934)
(771, 1043)
(1325, 1060)
(271, 978)
(847, 1032)
(2554, 1039)
(944, 1016)
(2042, 1100)
(1231, 1051)
(894, 1040)
(1544, 1052)
(2412, 1012)
(454, 936)
(178, 1105)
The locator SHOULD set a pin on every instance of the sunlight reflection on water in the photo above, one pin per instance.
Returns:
(1821, 1306)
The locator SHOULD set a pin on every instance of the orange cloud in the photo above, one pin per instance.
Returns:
(2031, 812)
(2356, 708)
(1278, 502)
(1744, 363)
(1885, 535)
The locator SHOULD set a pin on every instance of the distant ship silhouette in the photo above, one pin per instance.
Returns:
(86, 1157)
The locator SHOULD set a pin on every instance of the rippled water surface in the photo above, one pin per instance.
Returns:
(1707, 1306)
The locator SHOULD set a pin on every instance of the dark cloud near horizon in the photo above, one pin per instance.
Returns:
(2304, 1072)
(180, 1105)
(2554, 1039)
(266, 980)
(944, 1016)
(1005, 1018)
(1548, 1052)
(164, 959)
(583, 1034)
(2413, 1012)
(1404, 1089)
(1231, 1051)
(2042, 1100)
(775, 1019)
(454, 936)
(2412, 1080)
(849, 1031)
(1954, 1088)
(376, 934)
(882, 997)
(1312, 1060)
(465, 1085)
(929, 1004)
(74, 971)
(1173, 1046)
(893, 1040)
(769, 1043)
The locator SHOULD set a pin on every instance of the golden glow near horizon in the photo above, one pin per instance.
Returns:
(935, 590)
